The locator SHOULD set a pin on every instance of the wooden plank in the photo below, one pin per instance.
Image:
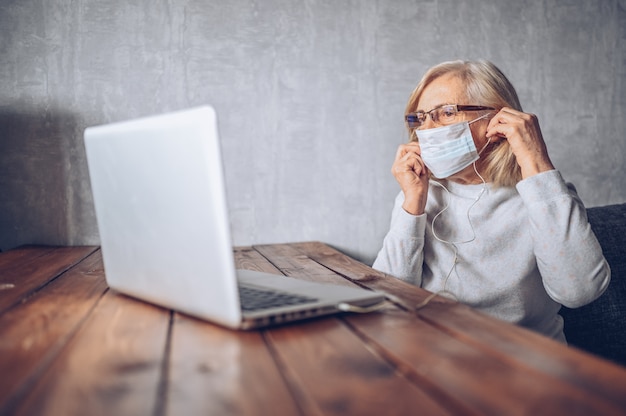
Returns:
(217, 371)
(321, 385)
(32, 333)
(112, 366)
(334, 373)
(22, 255)
(249, 259)
(523, 347)
(35, 270)
(495, 338)
(450, 368)
(293, 263)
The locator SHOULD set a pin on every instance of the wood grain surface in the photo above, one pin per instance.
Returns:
(71, 346)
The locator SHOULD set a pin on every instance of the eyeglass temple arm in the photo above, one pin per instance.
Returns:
(473, 107)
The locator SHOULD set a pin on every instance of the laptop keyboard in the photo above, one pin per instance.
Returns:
(254, 299)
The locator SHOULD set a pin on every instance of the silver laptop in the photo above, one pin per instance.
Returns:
(161, 209)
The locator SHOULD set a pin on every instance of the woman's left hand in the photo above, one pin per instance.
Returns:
(522, 132)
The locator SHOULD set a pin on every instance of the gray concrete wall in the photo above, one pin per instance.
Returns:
(310, 96)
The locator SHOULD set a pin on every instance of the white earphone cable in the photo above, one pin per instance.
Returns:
(453, 244)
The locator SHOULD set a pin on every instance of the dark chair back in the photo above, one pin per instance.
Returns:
(600, 327)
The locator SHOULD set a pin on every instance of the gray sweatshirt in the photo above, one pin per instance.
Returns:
(521, 252)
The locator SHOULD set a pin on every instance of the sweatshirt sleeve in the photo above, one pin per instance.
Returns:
(402, 253)
(569, 257)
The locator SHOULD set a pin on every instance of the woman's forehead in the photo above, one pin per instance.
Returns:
(446, 89)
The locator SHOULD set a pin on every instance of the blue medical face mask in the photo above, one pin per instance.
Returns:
(449, 149)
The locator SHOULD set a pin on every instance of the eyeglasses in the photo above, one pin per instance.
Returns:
(442, 115)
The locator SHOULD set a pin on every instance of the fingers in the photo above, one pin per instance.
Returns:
(408, 160)
(509, 123)
(412, 176)
(406, 148)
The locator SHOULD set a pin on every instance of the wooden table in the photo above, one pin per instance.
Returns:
(70, 346)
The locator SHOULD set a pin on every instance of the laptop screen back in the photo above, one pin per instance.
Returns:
(161, 208)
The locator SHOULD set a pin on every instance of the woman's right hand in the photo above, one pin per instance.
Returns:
(412, 175)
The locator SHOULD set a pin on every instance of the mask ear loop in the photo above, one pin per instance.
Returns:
(451, 243)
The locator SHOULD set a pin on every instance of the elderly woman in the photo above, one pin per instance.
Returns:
(483, 215)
